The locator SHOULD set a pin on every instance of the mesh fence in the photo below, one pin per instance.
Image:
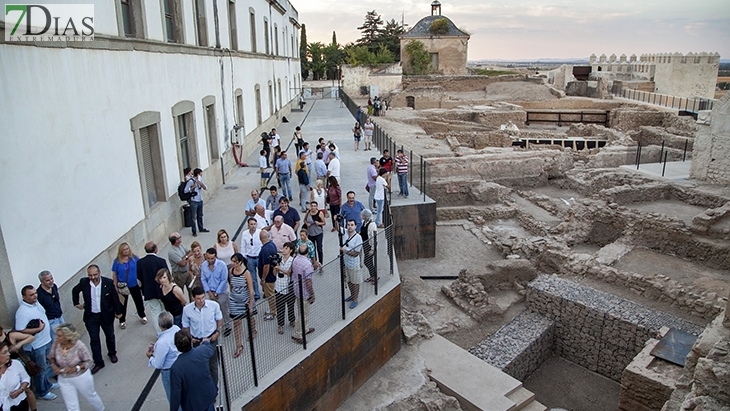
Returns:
(418, 175)
(268, 348)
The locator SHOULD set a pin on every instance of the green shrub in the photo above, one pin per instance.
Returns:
(439, 27)
(420, 60)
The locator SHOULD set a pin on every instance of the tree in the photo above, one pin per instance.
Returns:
(303, 53)
(333, 57)
(420, 60)
(390, 37)
(361, 56)
(371, 30)
(316, 64)
(334, 37)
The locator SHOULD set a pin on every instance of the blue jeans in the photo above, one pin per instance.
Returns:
(196, 208)
(40, 357)
(53, 324)
(285, 180)
(253, 269)
(379, 214)
(165, 377)
(403, 183)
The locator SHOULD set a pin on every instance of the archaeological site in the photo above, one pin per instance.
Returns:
(582, 249)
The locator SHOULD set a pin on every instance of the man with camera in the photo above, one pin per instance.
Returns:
(195, 185)
(268, 259)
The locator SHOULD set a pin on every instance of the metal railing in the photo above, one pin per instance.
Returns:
(264, 348)
(692, 105)
(418, 174)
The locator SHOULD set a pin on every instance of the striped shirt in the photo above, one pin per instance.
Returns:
(401, 164)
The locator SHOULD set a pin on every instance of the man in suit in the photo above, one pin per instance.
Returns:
(101, 305)
(191, 385)
(147, 268)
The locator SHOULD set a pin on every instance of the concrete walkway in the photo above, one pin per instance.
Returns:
(119, 385)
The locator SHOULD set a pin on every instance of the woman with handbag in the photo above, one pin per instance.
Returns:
(71, 361)
(124, 274)
(15, 341)
(14, 381)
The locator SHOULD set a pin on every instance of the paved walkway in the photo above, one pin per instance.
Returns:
(119, 385)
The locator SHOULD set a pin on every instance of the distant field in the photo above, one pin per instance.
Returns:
(725, 79)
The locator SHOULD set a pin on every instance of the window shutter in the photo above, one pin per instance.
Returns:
(146, 135)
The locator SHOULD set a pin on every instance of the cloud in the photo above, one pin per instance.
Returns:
(551, 28)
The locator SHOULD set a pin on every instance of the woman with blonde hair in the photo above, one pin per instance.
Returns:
(173, 297)
(225, 248)
(124, 274)
(194, 266)
(71, 361)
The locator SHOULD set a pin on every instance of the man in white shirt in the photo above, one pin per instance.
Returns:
(195, 185)
(31, 319)
(250, 248)
(275, 139)
(203, 319)
(251, 204)
(264, 218)
(351, 249)
(333, 168)
(163, 353)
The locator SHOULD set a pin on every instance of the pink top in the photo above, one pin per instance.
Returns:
(78, 354)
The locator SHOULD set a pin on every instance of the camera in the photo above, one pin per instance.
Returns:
(281, 275)
(338, 218)
(274, 260)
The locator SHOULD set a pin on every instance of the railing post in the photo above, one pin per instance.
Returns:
(222, 362)
(665, 164)
(375, 250)
(251, 347)
(684, 155)
(301, 312)
(661, 152)
(410, 166)
(342, 269)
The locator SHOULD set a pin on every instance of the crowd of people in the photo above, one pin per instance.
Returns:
(194, 294)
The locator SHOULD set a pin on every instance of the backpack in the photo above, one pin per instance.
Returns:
(181, 192)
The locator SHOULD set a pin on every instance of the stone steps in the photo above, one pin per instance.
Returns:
(474, 383)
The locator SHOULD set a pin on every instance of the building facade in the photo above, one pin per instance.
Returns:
(96, 134)
(688, 75)
(447, 45)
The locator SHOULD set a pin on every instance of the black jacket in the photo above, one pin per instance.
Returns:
(110, 305)
(147, 268)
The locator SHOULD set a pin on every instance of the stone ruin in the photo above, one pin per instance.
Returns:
(578, 215)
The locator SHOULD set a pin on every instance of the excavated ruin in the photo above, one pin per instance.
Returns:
(603, 259)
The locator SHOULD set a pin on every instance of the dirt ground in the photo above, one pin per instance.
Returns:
(560, 383)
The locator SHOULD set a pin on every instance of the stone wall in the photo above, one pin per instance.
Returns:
(386, 76)
(597, 330)
(451, 50)
(648, 381)
(510, 168)
(520, 347)
(461, 83)
(711, 154)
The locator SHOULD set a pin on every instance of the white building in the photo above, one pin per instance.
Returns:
(95, 134)
(675, 74)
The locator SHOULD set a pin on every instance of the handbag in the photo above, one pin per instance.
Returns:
(30, 366)
(122, 285)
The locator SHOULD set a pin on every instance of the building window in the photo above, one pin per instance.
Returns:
(271, 99)
(257, 94)
(130, 18)
(239, 115)
(187, 148)
(266, 36)
(173, 21)
(434, 61)
(278, 87)
(211, 127)
(232, 24)
(202, 22)
(252, 18)
(145, 128)
(276, 40)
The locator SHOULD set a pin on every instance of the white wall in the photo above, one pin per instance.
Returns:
(69, 152)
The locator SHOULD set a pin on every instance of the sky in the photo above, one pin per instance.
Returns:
(558, 29)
